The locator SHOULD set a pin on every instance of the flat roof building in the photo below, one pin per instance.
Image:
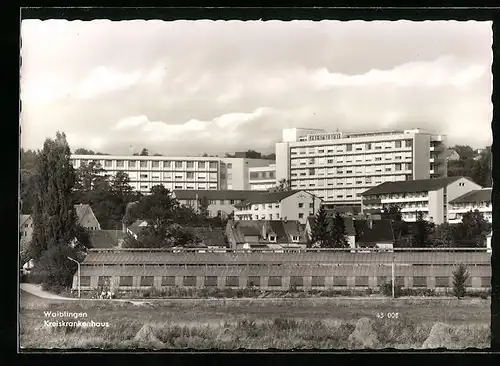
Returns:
(262, 178)
(173, 172)
(338, 167)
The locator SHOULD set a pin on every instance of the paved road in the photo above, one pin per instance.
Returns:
(37, 291)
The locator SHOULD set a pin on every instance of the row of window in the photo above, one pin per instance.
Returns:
(471, 206)
(417, 195)
(155, 164)
(297, 182)
(275, 216)
(398, 144)
(348, 160)
(177, 185)
(277, 281)
(353, 170)
(262, 175)
(169, 176)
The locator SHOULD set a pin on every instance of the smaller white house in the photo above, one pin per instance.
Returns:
(134, 229)
(288, 205)
(478, 199)
(452, 155)
(28, 266)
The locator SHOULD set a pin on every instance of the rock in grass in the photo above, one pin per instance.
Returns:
(363, 336)
(146, 337)
(440, 336)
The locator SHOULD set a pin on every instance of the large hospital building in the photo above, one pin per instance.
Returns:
(338, 167)
(178, 173)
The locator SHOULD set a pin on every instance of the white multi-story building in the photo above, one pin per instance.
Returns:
(289, 205)
(430, 196)
(203, 173)
(338, 167)
(479, 199)
(262, 178)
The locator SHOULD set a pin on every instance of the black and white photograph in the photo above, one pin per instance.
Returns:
(254, 185)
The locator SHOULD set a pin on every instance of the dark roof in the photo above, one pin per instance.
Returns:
(478, 195)
(408, 186)
(105, 238)
(23, 219)
(449, 152)
(380, 232)
(185, 194)
(348, 221)
(213, 237)
(135, 228)
(283, 230)
(268, 197)
(81, 210)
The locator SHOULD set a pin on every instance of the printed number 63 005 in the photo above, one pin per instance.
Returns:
(388, 315)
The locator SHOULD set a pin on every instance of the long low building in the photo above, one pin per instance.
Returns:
(139, 269)
(479, 199)
(176, 172)
(432, 197)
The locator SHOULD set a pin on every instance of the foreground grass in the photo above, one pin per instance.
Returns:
(280, 333)
(259, 324)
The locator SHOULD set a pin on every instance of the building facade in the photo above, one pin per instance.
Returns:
(207, 173)
(262, 178)
(25, 228)
(479, 199)
(86, 218)
(290, 205)
(430, 196)
(338, 167)
(220, 202)
(264, 234)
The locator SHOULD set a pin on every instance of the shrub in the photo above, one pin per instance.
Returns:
(53, 267)
(146, 293)
(460, 276)
(386, 289)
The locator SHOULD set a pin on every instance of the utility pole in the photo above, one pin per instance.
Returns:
(78, 264)
(393, 277)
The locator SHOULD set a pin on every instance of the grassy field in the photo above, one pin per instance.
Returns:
(324, 323)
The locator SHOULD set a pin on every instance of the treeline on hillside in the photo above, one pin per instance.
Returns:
(478, 168)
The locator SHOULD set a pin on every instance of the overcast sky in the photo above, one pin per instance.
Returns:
(189, 87)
